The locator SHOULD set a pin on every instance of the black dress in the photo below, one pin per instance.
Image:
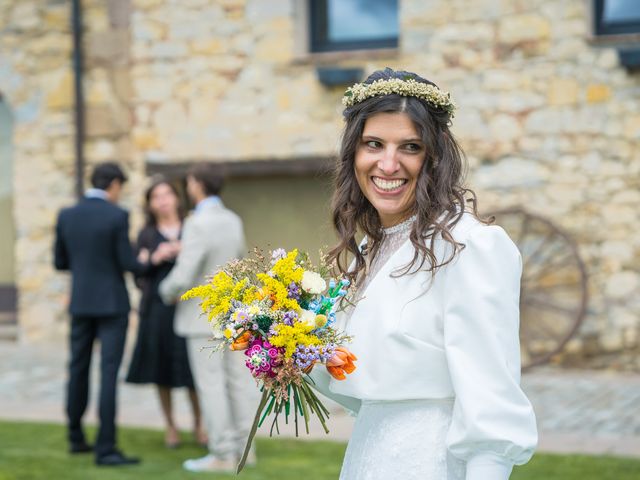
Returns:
(160, 356)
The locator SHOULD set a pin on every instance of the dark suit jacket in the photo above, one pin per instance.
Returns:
(92, 241)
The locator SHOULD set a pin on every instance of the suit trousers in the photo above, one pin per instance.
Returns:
(111, 332)
(228, 395)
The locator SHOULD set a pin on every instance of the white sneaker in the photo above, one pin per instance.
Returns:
(209, 463)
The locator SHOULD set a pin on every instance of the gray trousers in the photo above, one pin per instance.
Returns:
(228, 396)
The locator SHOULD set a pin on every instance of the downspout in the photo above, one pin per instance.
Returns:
(76, 28)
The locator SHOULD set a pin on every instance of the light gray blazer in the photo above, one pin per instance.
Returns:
(211, 237)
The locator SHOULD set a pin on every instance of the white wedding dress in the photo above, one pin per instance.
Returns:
(389, 439)
(402, 440)
(429, 408)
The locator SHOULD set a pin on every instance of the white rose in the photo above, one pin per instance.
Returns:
(308, 317)
(313, 283)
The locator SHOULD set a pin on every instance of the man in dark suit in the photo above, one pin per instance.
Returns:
(92, 241)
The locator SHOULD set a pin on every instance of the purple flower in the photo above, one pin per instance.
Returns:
(305, 356)
(278, 254)
(290, 317)
(294, 291)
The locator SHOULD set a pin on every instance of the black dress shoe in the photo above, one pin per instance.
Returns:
(82, 447)
(115, 459)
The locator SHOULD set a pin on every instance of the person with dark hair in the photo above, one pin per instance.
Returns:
(160, 356)
(435, 321)
(212, 236)
(104, 175)
(92, 242)
(208, 176)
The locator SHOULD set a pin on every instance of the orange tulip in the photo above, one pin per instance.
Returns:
(341, 363)
(242, 342)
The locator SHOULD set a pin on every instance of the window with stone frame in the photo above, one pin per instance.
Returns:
(338, 25)
(616, 17)
(616, 23)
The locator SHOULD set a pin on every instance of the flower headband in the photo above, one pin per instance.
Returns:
(403, 87)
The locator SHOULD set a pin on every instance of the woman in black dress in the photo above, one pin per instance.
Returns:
(160, 356)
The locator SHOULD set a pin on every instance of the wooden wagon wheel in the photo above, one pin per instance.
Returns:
(553, 296)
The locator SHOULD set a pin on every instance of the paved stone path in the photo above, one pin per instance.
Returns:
(578, 411)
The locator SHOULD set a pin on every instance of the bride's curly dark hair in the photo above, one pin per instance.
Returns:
(440, 194)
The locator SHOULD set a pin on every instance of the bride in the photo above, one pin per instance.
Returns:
(435, 329)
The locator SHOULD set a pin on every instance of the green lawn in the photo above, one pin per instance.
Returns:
(39, 451)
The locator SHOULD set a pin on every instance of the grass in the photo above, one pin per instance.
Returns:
(33, 451)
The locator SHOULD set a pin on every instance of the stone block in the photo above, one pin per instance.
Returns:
(500, 80)
(470, 124)
(98, 88)
(107, 48)
(25, 15)
(632, 127)
(119, 12)
(619, 251)
(142, 115)
(516, 29)
(275, 48)
(95, 17)
(598, 93)
(563, 91)
(545, 121)
(168, 50)
(611, 341)
(109, 120)
(608, 59)
(61, 96)
(148, 4)
(145, 29)
(146, 139)
(510, 173)
(229, 64)
(152, 89)
(207, 46)
(169, 116)
(121, 84)
(101, 150)
(57, 18)
(50, 44)
(505, 127)
(621, 285)
(258, 11)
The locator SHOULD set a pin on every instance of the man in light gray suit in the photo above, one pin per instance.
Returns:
(212, 236)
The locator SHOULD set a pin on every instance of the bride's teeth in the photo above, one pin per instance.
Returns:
(387, 184)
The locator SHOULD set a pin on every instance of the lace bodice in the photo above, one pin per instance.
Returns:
(392, 239)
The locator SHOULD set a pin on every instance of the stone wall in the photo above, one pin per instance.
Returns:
(35, 47)
(36, 80)
(549, 121)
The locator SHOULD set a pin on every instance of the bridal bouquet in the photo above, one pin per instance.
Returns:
(281, 312)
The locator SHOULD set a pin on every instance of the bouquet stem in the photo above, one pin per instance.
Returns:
(254, 428)
(305, 402)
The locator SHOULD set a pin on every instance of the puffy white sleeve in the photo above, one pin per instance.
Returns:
(321, 381)
(493, 425)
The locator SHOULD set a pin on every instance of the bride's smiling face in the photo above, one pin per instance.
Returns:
(387, 164)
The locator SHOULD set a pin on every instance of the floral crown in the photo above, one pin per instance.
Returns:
(407, 87)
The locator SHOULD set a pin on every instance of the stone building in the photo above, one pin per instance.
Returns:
(549, 115)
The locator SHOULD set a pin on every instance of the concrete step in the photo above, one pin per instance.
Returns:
(8, 332)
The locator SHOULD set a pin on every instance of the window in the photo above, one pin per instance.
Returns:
(617, 17)
(353, 24)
